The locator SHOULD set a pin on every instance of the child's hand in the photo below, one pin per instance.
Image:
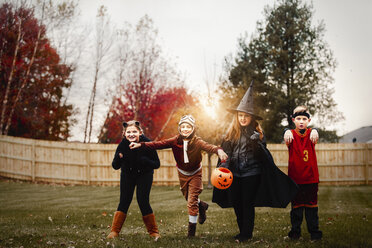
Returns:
(255, 136)
(120, 155)
(288, 137)
(222, 155)
(314, 136)
(134, 145)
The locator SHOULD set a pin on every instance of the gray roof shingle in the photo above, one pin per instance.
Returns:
(361, 135)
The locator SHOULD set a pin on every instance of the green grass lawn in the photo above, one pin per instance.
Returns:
(39, 215)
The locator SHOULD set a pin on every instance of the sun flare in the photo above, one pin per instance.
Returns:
(210, 106)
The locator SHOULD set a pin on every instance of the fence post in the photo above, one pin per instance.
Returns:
(33, 157)
(366, 162)
(88, 163)
(209, 171)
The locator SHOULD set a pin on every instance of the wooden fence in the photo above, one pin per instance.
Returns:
(78, 163)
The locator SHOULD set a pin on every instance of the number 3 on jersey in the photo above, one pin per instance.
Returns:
(306, 155)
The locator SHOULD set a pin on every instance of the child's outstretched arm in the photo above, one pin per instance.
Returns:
(288, 136)
(213, 149)
(161, 144)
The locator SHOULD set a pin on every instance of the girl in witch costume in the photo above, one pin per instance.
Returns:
(303, 169)
(258, 182)
(137, 169)
(187, 148)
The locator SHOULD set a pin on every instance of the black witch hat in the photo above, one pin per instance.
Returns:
(246, 104)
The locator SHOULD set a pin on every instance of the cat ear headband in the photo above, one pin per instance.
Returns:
(125, 124)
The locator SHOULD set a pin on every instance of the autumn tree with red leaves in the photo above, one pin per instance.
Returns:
(32, 78)
(156, 112)
(148, 87)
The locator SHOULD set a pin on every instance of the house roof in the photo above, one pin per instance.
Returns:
(361, 135)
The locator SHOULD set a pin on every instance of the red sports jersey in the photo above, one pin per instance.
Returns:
(302, 163)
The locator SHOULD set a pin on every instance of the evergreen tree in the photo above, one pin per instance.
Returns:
(291, 65)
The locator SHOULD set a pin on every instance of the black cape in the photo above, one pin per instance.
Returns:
(276, 189)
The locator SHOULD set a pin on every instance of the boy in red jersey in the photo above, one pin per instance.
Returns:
(303, 169)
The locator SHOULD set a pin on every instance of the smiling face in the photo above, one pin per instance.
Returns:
(185, 129)
(301, 122)
(132, 133)
(244, 119)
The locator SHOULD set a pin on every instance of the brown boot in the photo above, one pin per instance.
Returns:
(151, 226)
(191, 230)
(203, 206)
(117, 223)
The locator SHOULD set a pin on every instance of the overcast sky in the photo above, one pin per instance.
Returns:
(198, 34)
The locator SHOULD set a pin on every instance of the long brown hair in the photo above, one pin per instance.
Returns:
(234, 130)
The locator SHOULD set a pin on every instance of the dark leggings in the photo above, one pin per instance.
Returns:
(127, 185)
(244, 191)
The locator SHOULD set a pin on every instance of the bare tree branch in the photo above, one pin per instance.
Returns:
(5, 101)
(25, 78)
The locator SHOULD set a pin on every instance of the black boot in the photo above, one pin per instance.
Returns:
(191, 230)
(203, 206)
(296, 221)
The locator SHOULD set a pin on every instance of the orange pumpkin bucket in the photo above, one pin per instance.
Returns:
(221, 178)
